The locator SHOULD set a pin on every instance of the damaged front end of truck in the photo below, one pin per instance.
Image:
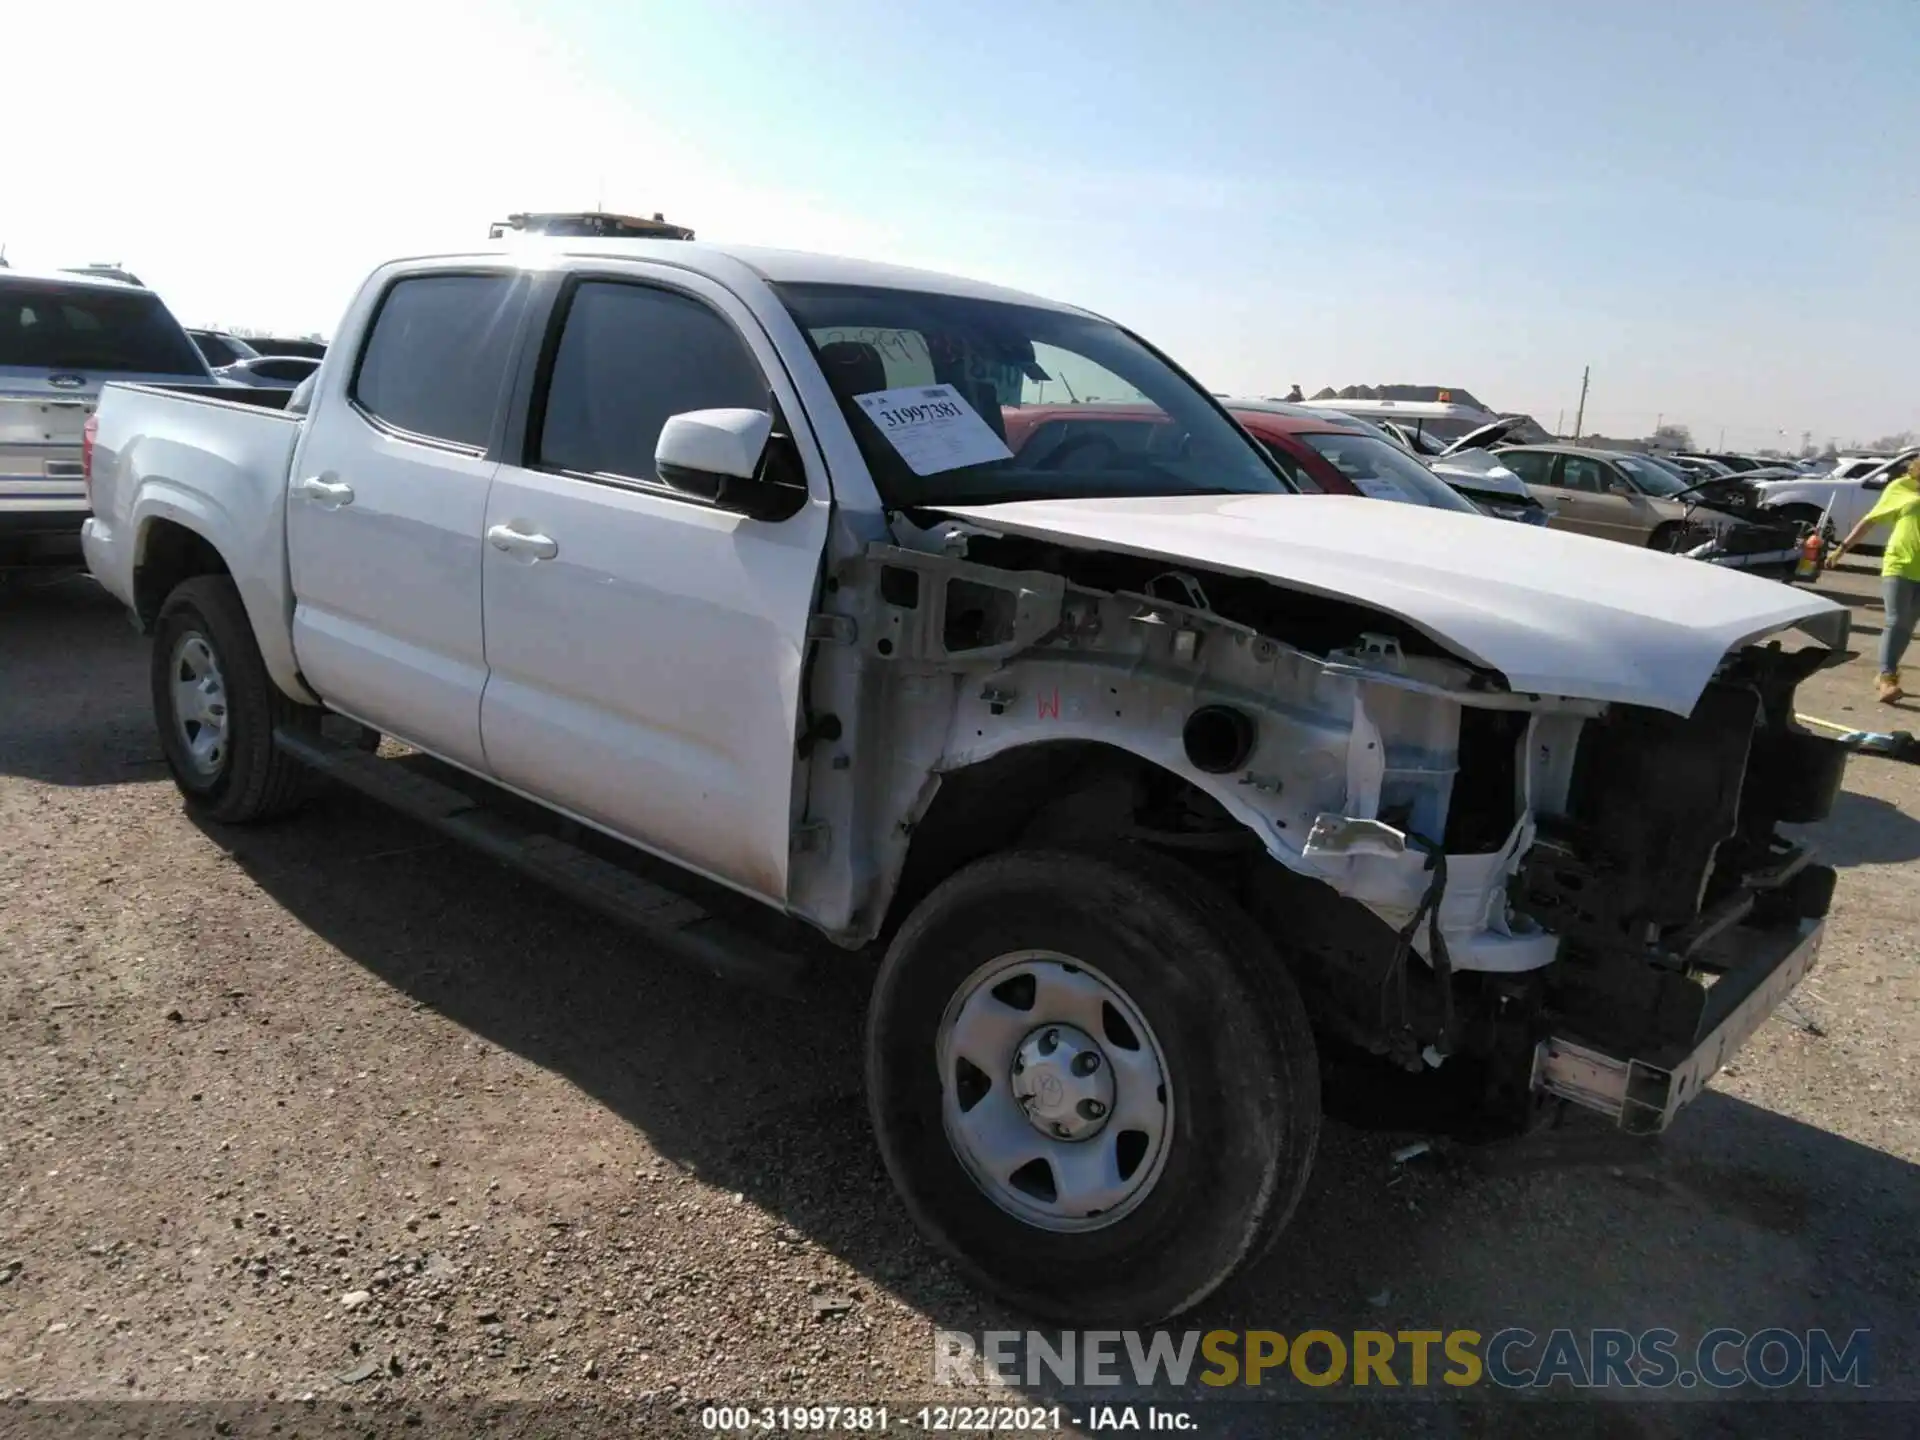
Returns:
(1562, 896)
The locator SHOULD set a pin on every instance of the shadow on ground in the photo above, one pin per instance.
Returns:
(73, 688)
(1864, 829)
(1740, 1217)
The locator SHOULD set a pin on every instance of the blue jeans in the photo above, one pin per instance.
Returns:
(1902, 599)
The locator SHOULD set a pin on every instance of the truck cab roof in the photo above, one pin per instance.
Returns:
(779, 267)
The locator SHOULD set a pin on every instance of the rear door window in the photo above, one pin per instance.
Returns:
(630, 356)
(1577, 472)
(436, 358)
(1530, 465)
(50, 326)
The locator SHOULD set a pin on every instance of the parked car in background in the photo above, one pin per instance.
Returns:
(1843, 500)
(281, 372)
(1318, 453)
(287, 345)
(62, 336)
(1473, 473)
(1853, 467)
(1471, 466)
(1442, 421)
(1327, 453)
(1697, 466)
(219, 348)
(729, 555)
(1638, 500)
(1735, 464)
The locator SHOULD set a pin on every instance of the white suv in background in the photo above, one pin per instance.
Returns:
(63, 336)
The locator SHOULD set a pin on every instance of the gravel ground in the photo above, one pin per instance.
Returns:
(330, 1114)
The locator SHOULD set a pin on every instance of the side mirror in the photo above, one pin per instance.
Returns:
(732, 460)
(1618, 486)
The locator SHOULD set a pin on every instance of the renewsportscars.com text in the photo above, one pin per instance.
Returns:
(1512, 1358)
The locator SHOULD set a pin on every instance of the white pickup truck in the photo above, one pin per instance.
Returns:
(1160, 782)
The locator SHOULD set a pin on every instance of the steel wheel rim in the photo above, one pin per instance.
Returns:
(199, 691)
(1026, 1119)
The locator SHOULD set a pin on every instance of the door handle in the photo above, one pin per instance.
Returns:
(328, 493)
(519, 542)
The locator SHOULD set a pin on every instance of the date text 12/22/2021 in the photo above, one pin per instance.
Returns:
(939, 1419)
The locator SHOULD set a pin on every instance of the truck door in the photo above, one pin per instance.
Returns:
(385, 510)
(645, 648)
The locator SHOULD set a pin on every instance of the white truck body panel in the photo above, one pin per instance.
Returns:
(386, 580)
(646, 675)
(218, 469)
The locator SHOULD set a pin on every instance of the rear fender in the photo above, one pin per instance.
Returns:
(253, 549)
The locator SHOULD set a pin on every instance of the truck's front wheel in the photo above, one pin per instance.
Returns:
(1092, 1082)
(216, 707)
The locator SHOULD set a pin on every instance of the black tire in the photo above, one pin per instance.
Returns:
(1239, 1058)
(250, 778)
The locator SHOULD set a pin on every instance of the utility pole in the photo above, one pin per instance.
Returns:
(1722, 446)
(1559, 423)
(1580, 415)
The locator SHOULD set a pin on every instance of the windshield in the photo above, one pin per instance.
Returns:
(960, 401)
(1652, 477)
(1385, 471)
(92, 327)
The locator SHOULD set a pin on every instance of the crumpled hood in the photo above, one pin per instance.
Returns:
(1481, 471)
(1555, 613)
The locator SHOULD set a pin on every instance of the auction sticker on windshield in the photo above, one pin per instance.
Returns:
(933, 428)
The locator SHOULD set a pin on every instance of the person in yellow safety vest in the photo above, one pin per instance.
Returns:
(1899, 572)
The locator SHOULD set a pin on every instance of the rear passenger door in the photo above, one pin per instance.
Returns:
(646, 648)
(1603, 501)
(1573, 488)
(387, 504)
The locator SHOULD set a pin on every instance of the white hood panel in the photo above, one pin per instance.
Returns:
(1555, 613)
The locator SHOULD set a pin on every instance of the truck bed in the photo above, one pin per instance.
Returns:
(213, 460)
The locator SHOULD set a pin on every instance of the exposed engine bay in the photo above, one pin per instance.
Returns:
(1458, 872)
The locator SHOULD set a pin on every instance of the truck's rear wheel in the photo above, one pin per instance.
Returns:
(216, 707)
(1093, 1083)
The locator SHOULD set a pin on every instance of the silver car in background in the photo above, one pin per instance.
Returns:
(63, 336)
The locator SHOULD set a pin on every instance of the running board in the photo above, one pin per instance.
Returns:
(676, 923)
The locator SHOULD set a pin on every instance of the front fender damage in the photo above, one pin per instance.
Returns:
(1351, 759)
(1579, 877)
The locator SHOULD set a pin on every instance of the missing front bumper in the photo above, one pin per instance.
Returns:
(1643, 1096)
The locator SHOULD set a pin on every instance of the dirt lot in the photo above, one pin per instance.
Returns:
(329, 1109)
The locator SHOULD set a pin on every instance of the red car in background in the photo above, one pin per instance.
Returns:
(1318, 454)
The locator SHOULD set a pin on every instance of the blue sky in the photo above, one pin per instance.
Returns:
(1716, 205)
